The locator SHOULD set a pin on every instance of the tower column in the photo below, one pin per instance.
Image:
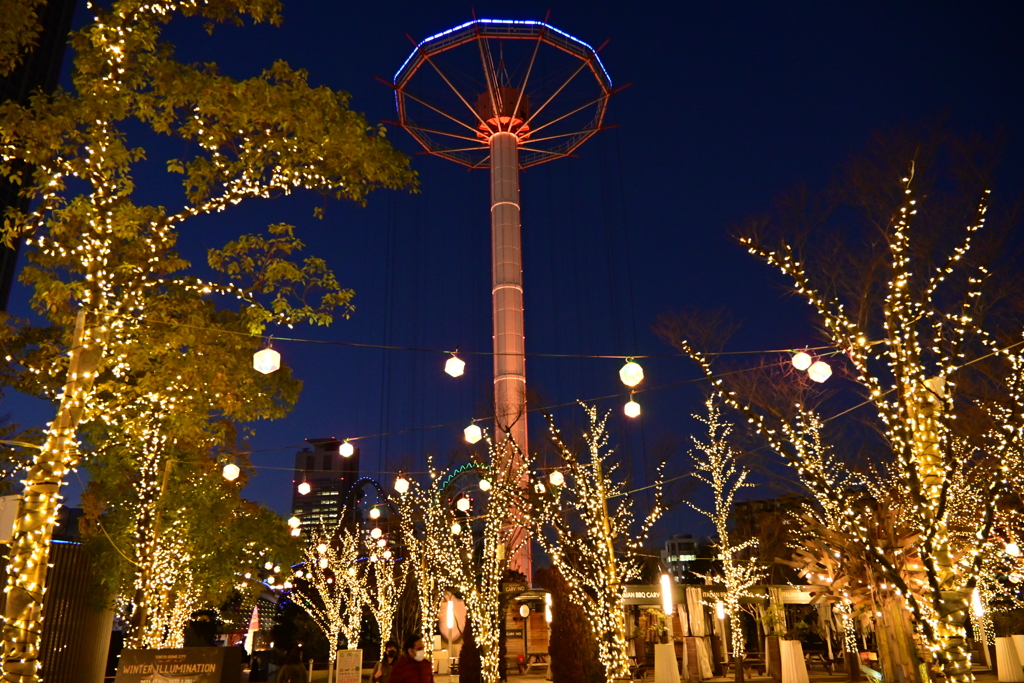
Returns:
(507, 301)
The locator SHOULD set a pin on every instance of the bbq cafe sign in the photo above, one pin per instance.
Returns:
(650, 595)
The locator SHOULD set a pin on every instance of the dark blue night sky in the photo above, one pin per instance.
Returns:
(731, 104)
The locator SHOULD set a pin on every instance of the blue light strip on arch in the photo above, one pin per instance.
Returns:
(506, 22)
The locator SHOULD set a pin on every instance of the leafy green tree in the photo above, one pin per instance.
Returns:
(101, 262)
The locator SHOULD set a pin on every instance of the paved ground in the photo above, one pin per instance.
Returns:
(981, 675)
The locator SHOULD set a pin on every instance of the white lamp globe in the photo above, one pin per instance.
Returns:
(402, 484)
(1012, 549)
(304, 488)
(322, 548)
(455, 366)
(802, 361)
(631, 373)
(463, 504)
(268, 565)
(295, 532)
(231, 471)
(351, 571)
(346, 450)
(819, 371)
(374, 513)
(294, 522)
(524, 611)
(382, 543)
(266, 361)
(323, 563)
(473, 433)
(556, 478)
(631, 409)
(456, 529)
(386, 554)
(485, 484)
(376, 533)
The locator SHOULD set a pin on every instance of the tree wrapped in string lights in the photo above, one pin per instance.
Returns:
(331, 586)
(384, 588)
(912, 335)
(716, 464)
(468, 550)
(99, 254)
(581, 534)
(424, 564)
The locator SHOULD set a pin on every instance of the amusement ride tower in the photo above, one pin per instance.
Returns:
(466, 105)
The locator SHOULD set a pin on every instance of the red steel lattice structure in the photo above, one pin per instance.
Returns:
(504, 123)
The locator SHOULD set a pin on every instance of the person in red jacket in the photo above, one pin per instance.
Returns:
(412, 666)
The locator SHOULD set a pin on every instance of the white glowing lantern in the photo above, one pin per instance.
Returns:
(346, 450)
(473, 433)
(485, 484)
(386, 554)
(556, 478)
(351, 571)
(540, 488)
(463, 504)
(231, 471)
(631, 373)
(666, 594)
(402, 484)
(323, 563)
(376, 533)
(287, 585)
(270, 579)
(299, 574)
(277, 569)
(374, 513)
(455, 366)
(381, 543)
(631, 409)
(524, 611)
(322, 548)
(1012, 549)
(266, 361)
(294, 522)
(304, 488)
(268, 565)
(373, 558)
(802, 361)
(819, 371)
(456, 528)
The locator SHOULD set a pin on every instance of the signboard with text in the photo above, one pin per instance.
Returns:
(349, 666)
(187, 665)
(651, 595)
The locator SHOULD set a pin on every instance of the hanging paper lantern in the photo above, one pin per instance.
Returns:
(473, 433)
(463, 504)
(375, 513)
(802, 361)
(375, 533)
(1012, 549)
(294, 522)
(402, 484)
(268, 565)
(295, 532)
(386, 554)
(631, 373)
(556, 478)
(322, 548)
(231, 471)
(819, 371)
(382, 543)
(346, 450)
(456, 529)
(485, 484)
(323, 563)
(631, 409)
(304, 488)
(455, 366)
(266, 361)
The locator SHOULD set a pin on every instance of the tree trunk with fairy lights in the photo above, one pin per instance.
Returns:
(37, 509)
